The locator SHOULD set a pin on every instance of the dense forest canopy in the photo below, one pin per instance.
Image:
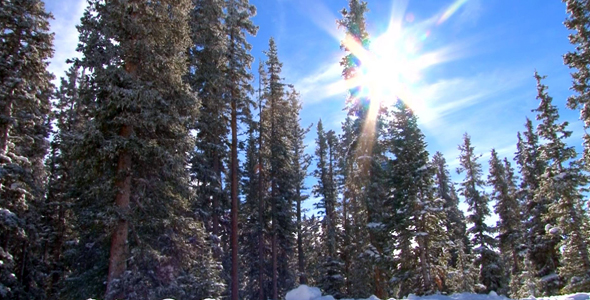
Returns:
(165, 163)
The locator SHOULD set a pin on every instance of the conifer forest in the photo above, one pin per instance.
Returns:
(165, 163)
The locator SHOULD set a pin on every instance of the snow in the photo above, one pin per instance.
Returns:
(304, 292)
(8, 218)
(375, 225)
(549, 277)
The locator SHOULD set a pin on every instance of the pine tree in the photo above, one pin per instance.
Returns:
(456, 280)
(133, 150)
(418, 217)
(250, 219)
(262, 187)
(579, 22)
(207, 62)
(301, 162)
(312, 245)
(364, 159)
(278, 117)
(445, 190)
(354, 236)
(238, 77)
(25, 90)
(69, 116)
(331, 283)
(561, 184)
(501, 179)
(541, 247)
(487, 260)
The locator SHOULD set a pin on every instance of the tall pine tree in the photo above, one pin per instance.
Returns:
(501, 179)
(25, 90)
(487, 259)
(561, 183)
(332, 281)
(132, 198)
(541, 247)
(238, 23)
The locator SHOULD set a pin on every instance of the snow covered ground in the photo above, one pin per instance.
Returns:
(304, 292)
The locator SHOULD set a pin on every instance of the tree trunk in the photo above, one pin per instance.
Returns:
(345, 256)
(118, 253)
(234, 201)
(300, 257)
(275, 292)
(260, 206)
(215, 204)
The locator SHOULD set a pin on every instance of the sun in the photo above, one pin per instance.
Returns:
(390, 68)
(395, 63)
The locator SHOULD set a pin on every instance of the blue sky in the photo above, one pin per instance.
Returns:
(476, 58)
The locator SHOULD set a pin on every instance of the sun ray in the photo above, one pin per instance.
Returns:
(396, 62)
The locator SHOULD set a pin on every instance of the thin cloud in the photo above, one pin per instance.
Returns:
(66, 35)
(445, 97)
(324, 82)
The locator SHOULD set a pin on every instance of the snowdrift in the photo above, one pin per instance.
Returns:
(304, 292)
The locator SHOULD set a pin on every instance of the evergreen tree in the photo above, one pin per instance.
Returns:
(25, 90)
(312, 244)
(455, 222)
(133, 151)
(418, 217)
(541, 247)
(364, 161)
(238, 77)
(250, 218)
(579, 22)
(207, 62)
(301, 162)
(487, 260)
(501, 179)
(332, 281)
(458, 276)
(278, 118)
(562, 184)
(69, 116)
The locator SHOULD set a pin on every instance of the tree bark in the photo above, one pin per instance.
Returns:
(118, 253)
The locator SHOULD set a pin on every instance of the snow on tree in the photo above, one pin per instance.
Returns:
(487, 260)
(562, 184)
(132, 185)
(326, 190)
(501, 179)
(25, 90)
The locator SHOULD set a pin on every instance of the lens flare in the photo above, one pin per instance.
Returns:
(450, 11)
(396, 62)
